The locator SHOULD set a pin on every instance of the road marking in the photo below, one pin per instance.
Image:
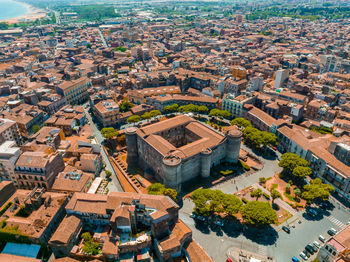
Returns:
(337, 222)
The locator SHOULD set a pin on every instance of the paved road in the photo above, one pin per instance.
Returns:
(282, 246)
(103, 38)
(114, 185)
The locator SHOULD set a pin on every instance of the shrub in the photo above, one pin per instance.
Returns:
(245, 201)
(288, 188)
(266, 196)
(226, 172)
(244, 165)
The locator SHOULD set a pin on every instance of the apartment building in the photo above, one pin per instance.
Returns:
(38, 169)
(107, 112)
(9, 131)
(234, 104)
(74, 91)
(9, 153)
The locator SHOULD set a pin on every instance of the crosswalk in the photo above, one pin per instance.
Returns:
(336, 222)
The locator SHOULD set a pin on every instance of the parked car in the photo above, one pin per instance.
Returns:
(332, 231)
(314, 247)
(322, 238)
(312, 212)
(193, 215)
(307, 253)
(317, 244)
(286, 229)
(303, 256)
(219, 223)
(201, 218)
(310, 249)
(294, 259)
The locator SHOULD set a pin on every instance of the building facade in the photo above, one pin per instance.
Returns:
(180, 149)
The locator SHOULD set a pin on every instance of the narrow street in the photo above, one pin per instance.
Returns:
(114, 185)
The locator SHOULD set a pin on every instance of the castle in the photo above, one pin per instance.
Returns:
(180, 148)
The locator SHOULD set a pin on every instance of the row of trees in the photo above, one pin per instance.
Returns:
(197, 109)
(147, 115)
(207, 202)
(253, 136)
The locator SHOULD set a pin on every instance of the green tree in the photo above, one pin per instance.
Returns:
(156, 189)
(301, 171)
(289, 161)
(258, 213)
(36, 128)
(133, 119)
(220, 113)
(146, 115)
(108, 173)
(125, 106)
(86, 236)
(257, 193)
(257, 138)
(231, 204)
(203, 109)
(188, 108)
(275, 194)
(317, 190)
(297, 192)
(154, 113)
(109, 132)
(171, 108)
(241, 122)
(172, 193)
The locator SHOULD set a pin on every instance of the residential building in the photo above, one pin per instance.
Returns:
(38, 169)
(9, 131)
(9, 153)
(75, 91)
(234, 105)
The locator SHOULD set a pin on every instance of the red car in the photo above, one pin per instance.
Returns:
(229, 260)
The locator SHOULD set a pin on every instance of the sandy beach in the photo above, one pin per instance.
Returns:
(32, 15)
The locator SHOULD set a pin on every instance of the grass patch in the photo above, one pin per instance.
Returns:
(244, 165)
(274, 186)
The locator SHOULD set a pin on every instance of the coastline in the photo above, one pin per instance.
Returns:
(32, 14)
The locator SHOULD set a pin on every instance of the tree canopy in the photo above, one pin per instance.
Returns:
(241, 122)
(317, 190)
(125, 106)
(109, 132)
(257, 138)
(275, 194)
(220, 113)
(301, 171)
(258, 213)
(208, 201)
(171, 108)
(295, 165)
(133, 119)
(160, 189)
(257, 193)
(149, 115)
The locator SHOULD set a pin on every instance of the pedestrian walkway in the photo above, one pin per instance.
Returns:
(336, 222)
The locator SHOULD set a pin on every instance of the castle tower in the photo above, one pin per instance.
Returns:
(205, 162)
(233, 146)
(131, 144)
(172, 171)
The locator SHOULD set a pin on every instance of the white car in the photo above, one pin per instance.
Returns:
(322, 238)
(318, 245)
(303, 256)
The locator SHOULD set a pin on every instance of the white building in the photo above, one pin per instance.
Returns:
(281, 77)
(9, 153)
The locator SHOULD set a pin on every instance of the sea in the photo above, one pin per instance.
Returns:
(11, 9)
